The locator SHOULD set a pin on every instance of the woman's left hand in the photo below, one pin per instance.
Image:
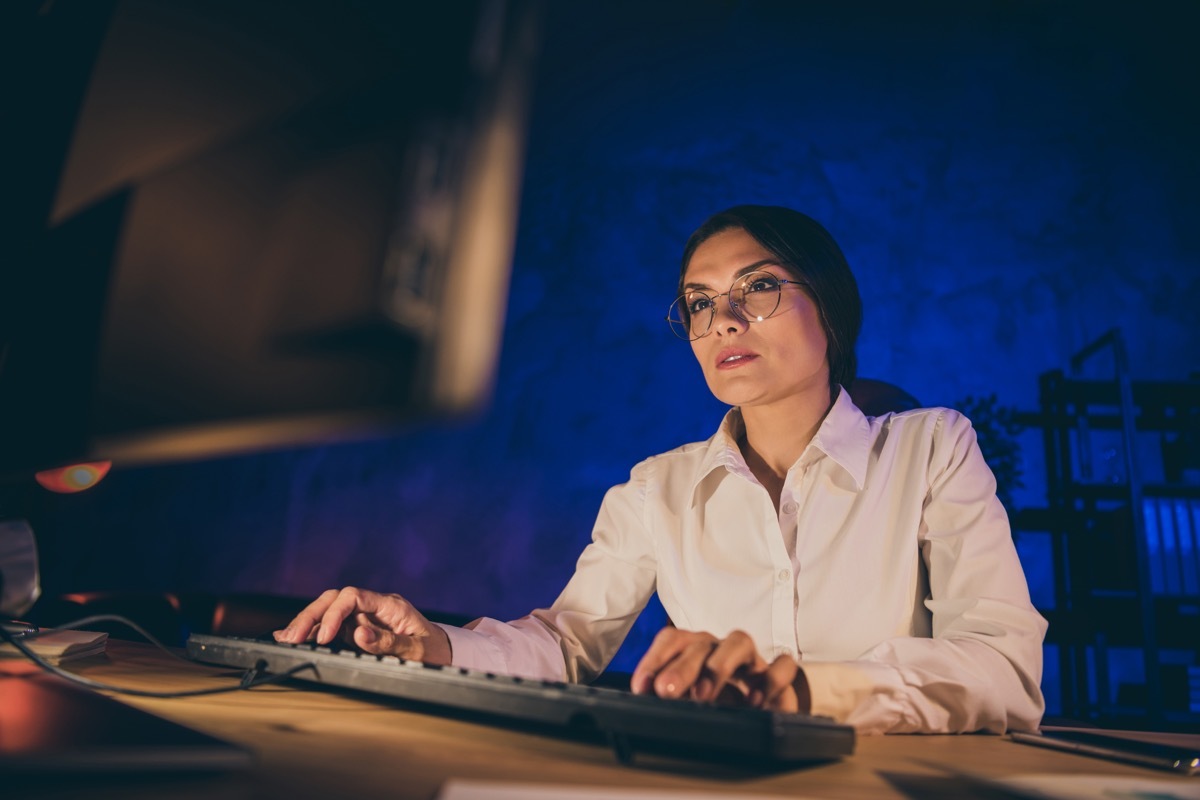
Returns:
(699, 666)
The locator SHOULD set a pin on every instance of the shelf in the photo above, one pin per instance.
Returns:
(1125, 559)
(1117, 717)
(1116, 622)
(1155, 397)
(1120, 491)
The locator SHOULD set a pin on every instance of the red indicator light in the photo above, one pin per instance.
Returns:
(75, 478)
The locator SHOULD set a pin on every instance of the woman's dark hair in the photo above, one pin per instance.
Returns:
(806, 250)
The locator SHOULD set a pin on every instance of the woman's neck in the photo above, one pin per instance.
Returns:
(776, 436)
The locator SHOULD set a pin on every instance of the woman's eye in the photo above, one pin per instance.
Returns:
(761, 285)
(698, 305)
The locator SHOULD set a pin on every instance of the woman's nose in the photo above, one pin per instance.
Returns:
(727, 317)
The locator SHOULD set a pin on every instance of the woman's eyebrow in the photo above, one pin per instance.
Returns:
(757, 265)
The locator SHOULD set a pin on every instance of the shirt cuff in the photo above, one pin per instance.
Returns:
(861, 694)
(523, 647)
(472, 650)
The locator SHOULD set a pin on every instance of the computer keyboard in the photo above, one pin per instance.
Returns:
(628, 722)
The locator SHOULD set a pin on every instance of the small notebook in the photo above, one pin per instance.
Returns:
(57, 646)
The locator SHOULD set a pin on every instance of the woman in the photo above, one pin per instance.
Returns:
(811, 558)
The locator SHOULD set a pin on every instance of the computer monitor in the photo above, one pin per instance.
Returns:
(276, 224)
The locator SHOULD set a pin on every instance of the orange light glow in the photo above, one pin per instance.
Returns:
(75, 478)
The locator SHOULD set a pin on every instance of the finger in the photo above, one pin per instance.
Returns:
(679, 676)
(778, 686)
(735, 693)
(735, 655)
(302, 625)
(803, 692)
(371, 630)
(380, 641)
(349, 630)
(348, 600)
(668, 644)
(662, 650)
(392, 612)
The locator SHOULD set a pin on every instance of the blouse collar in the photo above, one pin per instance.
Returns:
(844, 436)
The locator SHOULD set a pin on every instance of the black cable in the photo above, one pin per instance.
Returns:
(83, 622)
(250, 678)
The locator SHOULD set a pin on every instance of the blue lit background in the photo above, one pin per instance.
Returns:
(1008, 181)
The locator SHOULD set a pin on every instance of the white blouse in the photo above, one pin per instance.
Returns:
(889, 572)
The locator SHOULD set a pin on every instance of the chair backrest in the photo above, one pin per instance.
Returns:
(876, 398)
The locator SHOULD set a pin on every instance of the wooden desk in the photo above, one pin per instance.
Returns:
(311, 743)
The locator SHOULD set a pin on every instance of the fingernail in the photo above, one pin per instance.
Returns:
(369, 635)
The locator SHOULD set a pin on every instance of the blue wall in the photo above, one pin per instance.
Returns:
(1008, 180)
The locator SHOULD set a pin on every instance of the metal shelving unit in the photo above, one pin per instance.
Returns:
(1123, 512)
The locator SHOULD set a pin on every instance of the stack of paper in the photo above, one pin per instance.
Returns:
(57, 646)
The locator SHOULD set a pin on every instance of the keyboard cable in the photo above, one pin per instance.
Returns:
(250, 679)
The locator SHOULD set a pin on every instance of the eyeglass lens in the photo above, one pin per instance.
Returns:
(752, 298)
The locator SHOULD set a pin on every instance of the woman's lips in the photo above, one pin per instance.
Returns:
(732, 359)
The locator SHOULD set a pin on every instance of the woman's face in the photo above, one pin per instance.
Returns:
(781, 358)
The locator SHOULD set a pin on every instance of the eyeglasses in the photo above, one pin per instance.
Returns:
(752, 298)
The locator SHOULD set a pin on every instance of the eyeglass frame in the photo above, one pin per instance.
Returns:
(733, 307)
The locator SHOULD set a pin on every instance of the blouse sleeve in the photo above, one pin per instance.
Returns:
(981, 668)
(576, 637)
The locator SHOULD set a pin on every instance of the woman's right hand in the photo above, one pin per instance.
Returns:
(381, 624)
(726, 671)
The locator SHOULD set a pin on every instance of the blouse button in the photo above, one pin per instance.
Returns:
(784, 575)
(789, 508)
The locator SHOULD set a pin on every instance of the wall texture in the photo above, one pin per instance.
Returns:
(1008, 180)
